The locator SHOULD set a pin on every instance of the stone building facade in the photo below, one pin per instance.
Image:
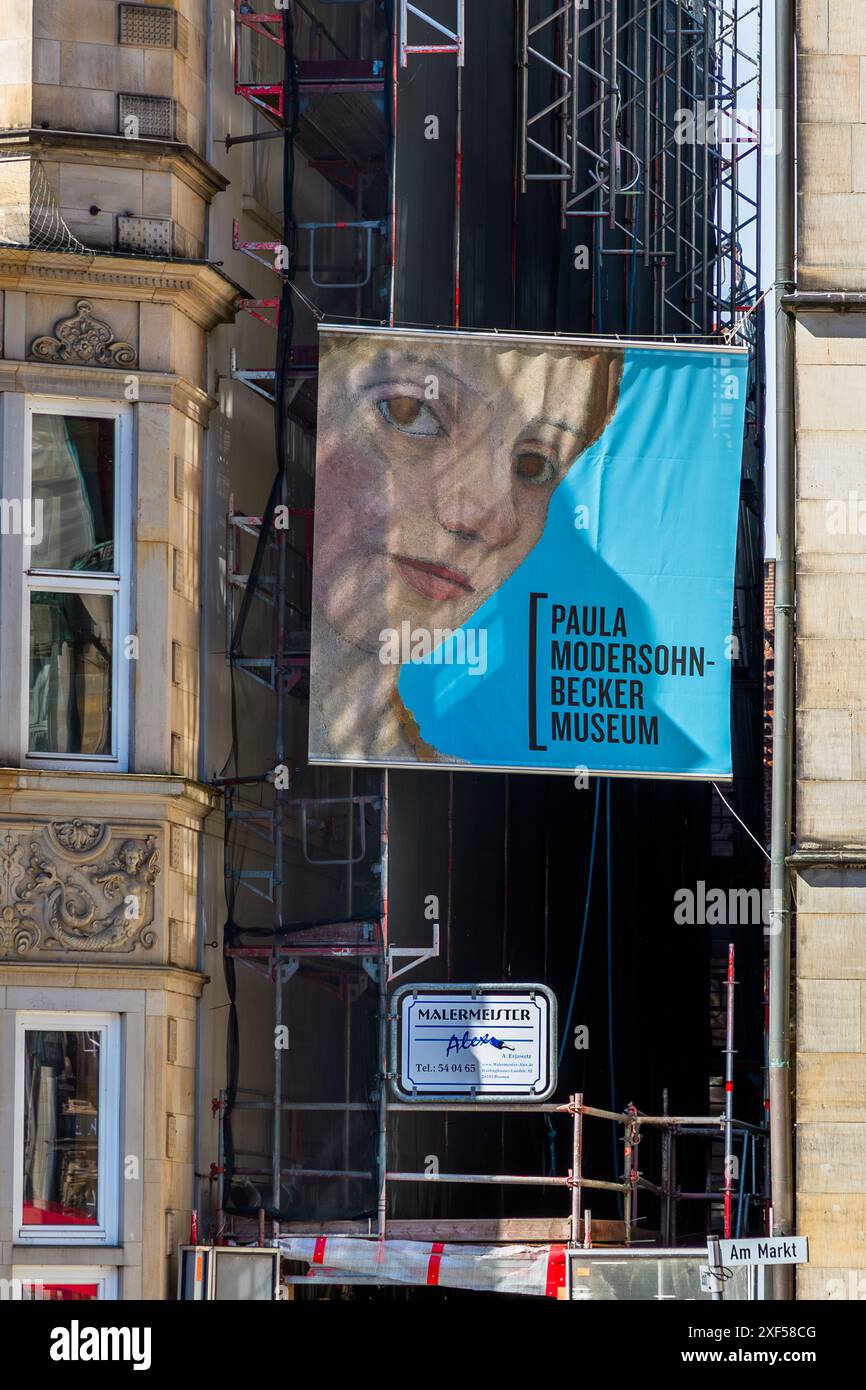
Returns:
(126, 438)
(830, 861)
(119, 287)
(108, 307)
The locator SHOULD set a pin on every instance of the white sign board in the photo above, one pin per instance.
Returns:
(474, 1042)
(763, 1250)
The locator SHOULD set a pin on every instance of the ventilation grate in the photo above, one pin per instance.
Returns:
(150, 236)
(140, 117)
(148, 26)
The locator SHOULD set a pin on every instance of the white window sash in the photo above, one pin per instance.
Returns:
(117, 583)
(52, 759)
(108, 1150)
(103, 1276)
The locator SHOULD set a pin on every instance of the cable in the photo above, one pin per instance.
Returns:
(741, 822)
(567, 1025)
(610, 1047)
(317, 313)
(551, 1128)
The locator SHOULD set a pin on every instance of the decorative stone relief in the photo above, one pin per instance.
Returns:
(76, 886)
(83, 341)
(78, 836)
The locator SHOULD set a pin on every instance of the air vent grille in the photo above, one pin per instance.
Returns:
(148, 26)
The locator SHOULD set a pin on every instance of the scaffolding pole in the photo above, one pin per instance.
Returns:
(729, 1092)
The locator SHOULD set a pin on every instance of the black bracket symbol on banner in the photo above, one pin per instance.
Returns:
(534, 599)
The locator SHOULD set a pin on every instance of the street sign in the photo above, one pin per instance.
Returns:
(474, 1042)
(762, 1250)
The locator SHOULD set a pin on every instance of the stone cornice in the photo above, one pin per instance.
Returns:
(80, 147)
(141, 796)
(108, 976)
(195, 288)
(51, 379)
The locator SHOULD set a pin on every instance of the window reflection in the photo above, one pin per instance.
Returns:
(73, 479)
(60, 1293)
(70, 673)
(61, 1128)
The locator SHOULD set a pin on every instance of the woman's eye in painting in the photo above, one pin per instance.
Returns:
(409, 415)
(534, 467)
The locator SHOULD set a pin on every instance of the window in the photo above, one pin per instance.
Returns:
(66, 1128)
(76, 584)
(63, 1285)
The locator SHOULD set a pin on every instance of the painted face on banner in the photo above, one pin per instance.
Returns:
(441, 460)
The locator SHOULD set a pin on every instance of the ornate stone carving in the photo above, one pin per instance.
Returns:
(83, 341)
(78, 836)
(100, 277)
(18, 932)
(79, 886)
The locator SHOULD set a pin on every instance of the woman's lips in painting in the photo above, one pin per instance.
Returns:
(431, 580)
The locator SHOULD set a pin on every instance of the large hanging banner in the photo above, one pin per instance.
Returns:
(524, 553)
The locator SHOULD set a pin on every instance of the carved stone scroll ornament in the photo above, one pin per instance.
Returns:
(78, 836)
(56, 896)
(18, 931)
(83, 341)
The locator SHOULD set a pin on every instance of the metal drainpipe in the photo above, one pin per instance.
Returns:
(783, 713)
(201, 921)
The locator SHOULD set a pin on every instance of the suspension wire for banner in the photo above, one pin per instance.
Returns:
(314, 309)
(741, 821)
(757, 841)
(736, 328)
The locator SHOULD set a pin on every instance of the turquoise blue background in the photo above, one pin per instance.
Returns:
(662, 487)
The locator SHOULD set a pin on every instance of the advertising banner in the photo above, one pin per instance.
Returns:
(524, 553)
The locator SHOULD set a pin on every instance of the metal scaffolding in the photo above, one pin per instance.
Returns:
(576, 1225)
(597, 101)
(646, 113)
(266, 818)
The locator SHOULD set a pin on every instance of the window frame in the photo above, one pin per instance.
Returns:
(117, 584)
(108, 1151)
(104, 1276)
